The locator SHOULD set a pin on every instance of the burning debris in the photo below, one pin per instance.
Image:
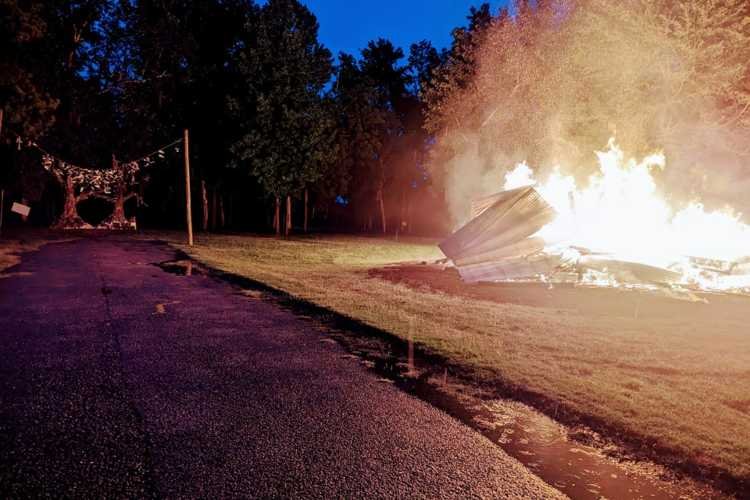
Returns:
(617, 231)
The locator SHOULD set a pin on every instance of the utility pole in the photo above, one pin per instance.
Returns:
(2, 190)
(188, 208)
(2, 207)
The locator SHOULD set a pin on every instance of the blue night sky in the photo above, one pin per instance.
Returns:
(347, 25)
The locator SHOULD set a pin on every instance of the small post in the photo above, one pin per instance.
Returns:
(188, 208)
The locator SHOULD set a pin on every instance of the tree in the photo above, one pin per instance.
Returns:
(173, 70)
(286, 141)
(80, 184)
(457, 69)
(553, 83)
(360, 122)
(43, 92)
(25, 103)
(424, 61)
(389, 79)
(124, 180)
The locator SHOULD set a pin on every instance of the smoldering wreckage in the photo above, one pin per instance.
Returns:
(505, 241)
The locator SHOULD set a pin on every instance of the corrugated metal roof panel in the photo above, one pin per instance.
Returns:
(509, 269)
(515, 215)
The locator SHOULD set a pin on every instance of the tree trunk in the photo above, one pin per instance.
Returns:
(214, 207)
(70, 212)
(230, 210)
(204, 206)
(277, 218)
(304, 225)
(407, 221)
(221, 212)
(69, 219)
(118, 214)
(381, 207)
(118, 220)
(288, 225)
(402, 213)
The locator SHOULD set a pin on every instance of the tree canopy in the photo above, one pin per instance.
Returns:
(274, 116)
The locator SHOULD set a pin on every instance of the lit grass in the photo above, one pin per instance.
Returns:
(672, 381)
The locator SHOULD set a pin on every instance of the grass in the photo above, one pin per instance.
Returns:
(678, 380)
(14, 243)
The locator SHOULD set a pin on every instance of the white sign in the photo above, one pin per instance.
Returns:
(20, 209)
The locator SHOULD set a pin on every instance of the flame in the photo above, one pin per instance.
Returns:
(620, 213)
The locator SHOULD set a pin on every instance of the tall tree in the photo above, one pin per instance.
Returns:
(286, 132)
(382, 69)
(458, 67)
(361, 121)
(26, 102)
(169, 64)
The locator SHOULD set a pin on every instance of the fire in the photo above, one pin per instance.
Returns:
(621, 214)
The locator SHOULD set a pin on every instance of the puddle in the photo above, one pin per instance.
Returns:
(577, 460)
(550, 450)
(181, 267)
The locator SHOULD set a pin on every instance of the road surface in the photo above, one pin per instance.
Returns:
(118, 379)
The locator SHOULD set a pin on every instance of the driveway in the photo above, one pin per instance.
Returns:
(118, 379)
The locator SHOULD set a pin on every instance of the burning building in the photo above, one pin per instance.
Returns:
(616, 231)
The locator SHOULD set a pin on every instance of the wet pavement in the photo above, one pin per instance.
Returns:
(120, 380)
(576, 460)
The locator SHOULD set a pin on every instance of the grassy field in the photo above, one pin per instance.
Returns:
(677, 377)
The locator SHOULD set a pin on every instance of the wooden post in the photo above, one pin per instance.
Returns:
(188, 208)
(2, 191)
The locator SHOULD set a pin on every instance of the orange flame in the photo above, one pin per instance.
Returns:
(621, 213)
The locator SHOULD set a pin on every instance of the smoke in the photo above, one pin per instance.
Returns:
(554, 83)
(469, 175)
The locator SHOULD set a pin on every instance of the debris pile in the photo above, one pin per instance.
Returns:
(500, 244)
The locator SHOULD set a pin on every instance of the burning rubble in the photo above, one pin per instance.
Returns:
(617, 231)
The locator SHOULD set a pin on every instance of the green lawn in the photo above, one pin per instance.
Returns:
(678, 377)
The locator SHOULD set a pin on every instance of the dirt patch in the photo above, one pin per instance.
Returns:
(569, 298)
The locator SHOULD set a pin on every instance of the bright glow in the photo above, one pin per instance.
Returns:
(620, 213)
(520, 176)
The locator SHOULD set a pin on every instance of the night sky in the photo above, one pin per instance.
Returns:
(347, 25)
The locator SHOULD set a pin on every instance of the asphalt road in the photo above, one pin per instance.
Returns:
(118, 379)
